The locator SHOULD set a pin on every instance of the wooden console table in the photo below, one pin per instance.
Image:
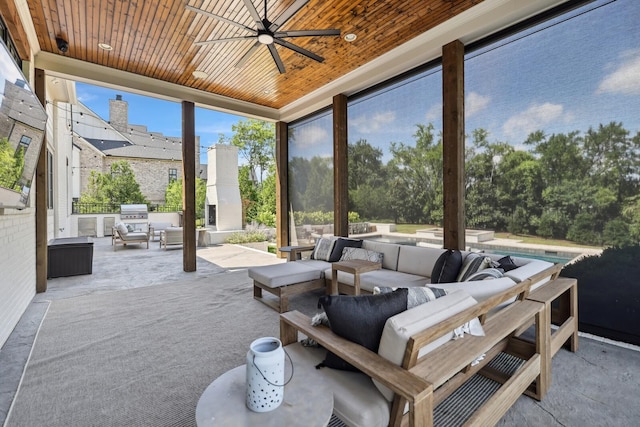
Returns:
(352, 266)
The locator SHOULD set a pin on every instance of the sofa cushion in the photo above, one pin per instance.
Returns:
(360, 319)
(277, 275)
(136, 235)
(342, 243)
(528, 267)
(389, 251)
(356, 401)
(384, 277)
(401, 327)
(323, 248)
(359, 253)
(316, 264)
(482, 290)
(473, 263)
(447, 267)
(416, 295)
(417, 260)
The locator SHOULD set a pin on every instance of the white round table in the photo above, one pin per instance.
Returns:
(307, 402)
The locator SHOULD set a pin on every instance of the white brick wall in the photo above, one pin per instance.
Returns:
(17, 266)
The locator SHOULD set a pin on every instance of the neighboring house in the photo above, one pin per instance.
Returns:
(156, 159)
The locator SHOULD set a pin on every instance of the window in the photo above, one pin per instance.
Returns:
(11, 47)
(173, 175)
(311, 176)
(24, 143)
(49, 180)
(395, 150)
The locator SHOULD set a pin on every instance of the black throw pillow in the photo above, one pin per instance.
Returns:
(507, 263)
(342, 243)
(446, 268)
(360, 319)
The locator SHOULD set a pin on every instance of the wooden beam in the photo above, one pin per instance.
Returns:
(453, 144)
(341, 166)
(189, 186)
(282, 185)
(41, 194)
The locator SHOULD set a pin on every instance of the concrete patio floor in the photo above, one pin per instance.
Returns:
(598, 385)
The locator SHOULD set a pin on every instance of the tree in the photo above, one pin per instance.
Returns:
(173, 195)
(117, 187)
(11, 165)
(255, 140)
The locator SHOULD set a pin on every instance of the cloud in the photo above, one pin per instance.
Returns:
(307, 136)
(85, 97)
(434, 113)
(475, 103)
(534, 118)
(364, 124)
(625, 79)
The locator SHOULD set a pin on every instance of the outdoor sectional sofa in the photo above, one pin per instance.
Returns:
(402, 266)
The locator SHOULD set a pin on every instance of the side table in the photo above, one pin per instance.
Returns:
(352, 266)
(307, 402)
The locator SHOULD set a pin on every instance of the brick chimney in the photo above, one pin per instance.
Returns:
(119, 113)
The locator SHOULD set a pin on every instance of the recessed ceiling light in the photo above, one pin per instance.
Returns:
(200, 74)
(350, 37)
(105, 46)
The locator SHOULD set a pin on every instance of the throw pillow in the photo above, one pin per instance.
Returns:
(507, 263)
(487, 273)
(342, 243)
(446, 268)
(359, 253)
(472, 264)
(360, 319)
(323, 248)
(130, 228)
(415, 295)
(122, 228)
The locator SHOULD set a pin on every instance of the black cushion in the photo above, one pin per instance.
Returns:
(342, 243)
(447, 266)
(360, 319)
(507, 263)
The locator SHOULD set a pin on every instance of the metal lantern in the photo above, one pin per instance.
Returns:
(265, 374)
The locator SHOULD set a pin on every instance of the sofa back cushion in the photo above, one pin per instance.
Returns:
(388, 250)
(399, 328)
(417, 260)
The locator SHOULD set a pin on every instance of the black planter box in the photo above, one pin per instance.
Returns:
(69, 256)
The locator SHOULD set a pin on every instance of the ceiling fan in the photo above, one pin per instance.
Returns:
(266, 32)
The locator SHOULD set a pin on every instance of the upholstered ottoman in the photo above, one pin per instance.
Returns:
(284, 280)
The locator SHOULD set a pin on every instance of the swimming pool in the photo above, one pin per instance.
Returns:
(550, 256)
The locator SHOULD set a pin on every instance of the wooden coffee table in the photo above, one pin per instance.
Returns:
(308, 401)
(355, 267)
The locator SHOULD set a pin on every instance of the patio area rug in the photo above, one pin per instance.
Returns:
(140, 357)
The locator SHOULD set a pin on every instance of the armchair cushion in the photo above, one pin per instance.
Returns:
(399, 328)
(360, 319)
(122, 228)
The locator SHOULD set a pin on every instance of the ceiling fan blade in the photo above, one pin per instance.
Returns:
(276, 58)
(254, 14)
(219, 18)
(232, 39)
(298, 49)
(287, 14)
(307, 33)
(247, 55)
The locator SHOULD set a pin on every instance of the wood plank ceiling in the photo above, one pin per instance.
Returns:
(156, 39)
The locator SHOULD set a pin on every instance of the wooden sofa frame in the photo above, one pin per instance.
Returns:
(425, 382)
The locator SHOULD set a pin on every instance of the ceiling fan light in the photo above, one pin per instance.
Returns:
(265, 38)
(105, 46)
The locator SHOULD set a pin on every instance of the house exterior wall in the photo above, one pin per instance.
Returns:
(151, 174)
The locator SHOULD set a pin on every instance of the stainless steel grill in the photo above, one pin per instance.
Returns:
(133, 212)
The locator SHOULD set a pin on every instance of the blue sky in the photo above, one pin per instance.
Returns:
(160, 115)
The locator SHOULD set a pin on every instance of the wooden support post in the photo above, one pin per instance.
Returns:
(340, 168)
(453, 144)
(282, 186)
(188, 186)
(41, 195)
